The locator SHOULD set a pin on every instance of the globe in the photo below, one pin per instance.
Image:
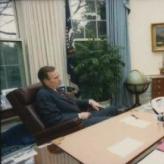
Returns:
(136, 83)
(136, 79)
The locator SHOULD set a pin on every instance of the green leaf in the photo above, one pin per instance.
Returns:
(99, 68)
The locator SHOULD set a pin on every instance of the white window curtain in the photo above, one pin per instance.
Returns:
(42, 28)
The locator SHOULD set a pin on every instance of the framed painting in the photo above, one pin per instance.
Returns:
(157, 31)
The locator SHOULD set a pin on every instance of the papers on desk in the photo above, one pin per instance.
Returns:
(125, 147)
(25, 155)
(131, 120)
(155, 157)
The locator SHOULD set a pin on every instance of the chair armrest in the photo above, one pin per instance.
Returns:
(59, 130)
(64, 125)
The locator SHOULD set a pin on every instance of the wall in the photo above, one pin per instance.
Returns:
(143, 14)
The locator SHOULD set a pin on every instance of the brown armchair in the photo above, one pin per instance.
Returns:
(22, 100)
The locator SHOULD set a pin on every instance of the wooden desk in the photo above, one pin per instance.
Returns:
(90, 145)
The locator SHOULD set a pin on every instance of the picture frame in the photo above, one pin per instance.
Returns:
(157, 32)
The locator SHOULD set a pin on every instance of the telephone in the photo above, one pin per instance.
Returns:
(158, 105)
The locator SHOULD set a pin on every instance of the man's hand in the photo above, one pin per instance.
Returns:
(95, 105)
(84, 115)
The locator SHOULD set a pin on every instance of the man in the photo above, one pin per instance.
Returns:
(53, 107)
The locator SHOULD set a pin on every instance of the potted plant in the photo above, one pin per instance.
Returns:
(98, 67)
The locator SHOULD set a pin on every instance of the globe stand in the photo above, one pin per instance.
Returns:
(137, 100)
(137, 89)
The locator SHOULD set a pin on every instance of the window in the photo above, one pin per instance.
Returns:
(11, 64)
(88, 19)
(8, 22)
(11, 54)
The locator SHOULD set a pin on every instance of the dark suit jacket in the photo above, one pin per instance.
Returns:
(54, 107)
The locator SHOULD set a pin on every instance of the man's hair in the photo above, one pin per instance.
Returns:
(43, 72)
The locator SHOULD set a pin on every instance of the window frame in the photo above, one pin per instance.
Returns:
(97, 37)
(16, 38)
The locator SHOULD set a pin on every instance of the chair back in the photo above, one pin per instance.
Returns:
(22, 101)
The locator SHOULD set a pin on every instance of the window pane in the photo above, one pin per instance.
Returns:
(101, 29)
(12, 69)
(90, 29)
(78, 28)
(1, 55)
(101, 10)
(90, 6)
(2, 78)
(10, 52)
(90, 12)
(13, 76)
(8, 22)
(77, 8)
(88, 18)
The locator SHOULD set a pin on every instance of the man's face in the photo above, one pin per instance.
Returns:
(53, 80)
